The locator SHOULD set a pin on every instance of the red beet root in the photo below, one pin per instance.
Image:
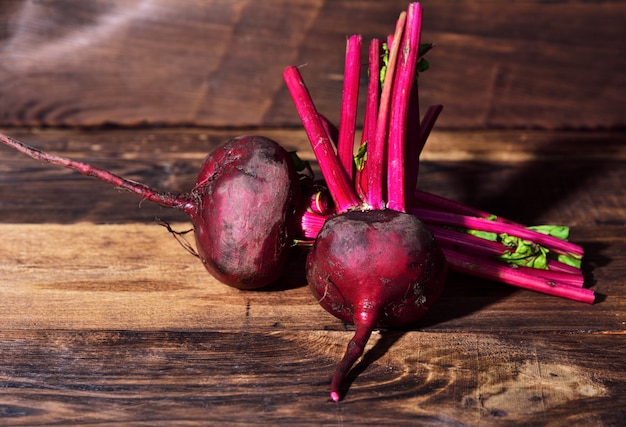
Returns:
(374, 268)
(241, 206)
(243, 218)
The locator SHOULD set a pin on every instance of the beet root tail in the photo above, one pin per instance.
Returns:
(354, 350)
(181, 202)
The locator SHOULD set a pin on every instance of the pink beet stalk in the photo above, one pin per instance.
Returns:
(373, 92)
(472, 223)
(570, 279)
(555, 265)
(349, 104)
(371, 113)
(414, 146)
(494, 270)
(377, 146)
(338, 184)
(428, 200)
(418, 135)
(466, 243)
(402, 86)
(428, 122)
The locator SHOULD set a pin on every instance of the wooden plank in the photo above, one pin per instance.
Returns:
(531, 64)
(136, 276)
(281, 378)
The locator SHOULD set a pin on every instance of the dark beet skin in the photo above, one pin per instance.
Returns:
(246, 192)
(374, 268)
(383, 263)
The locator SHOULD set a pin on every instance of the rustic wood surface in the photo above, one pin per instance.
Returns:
(105, 319)
(521, 64)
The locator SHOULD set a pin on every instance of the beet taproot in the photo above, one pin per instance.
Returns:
(376, 268)
(242, 206)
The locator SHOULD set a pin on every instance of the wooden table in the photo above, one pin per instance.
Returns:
(106, 319)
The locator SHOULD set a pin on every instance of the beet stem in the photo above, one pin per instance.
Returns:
(428, 122)
(354, 350)
(566, 278)
(182, 202)
(426, 199)
(494, 270)
(403, 83)
(338, 183)
(312, 223)
(555, 265)
(377, 146)
(414, 146)
(371, 113)
(482, 224)
(466, 242)
(349, 104)
(418, 135)
(373, 92)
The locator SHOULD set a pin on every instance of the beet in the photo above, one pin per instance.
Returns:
(241, 206)
(246, 191)
(377, 268)
(372, 263)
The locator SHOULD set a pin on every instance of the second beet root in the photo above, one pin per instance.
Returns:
(376, 268)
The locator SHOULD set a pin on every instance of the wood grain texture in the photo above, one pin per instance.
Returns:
(136, 276)
(105, 318)
(515, 64)
(260, 378)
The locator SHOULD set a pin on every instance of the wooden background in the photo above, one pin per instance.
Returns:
(502, 64)
(105, 319)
